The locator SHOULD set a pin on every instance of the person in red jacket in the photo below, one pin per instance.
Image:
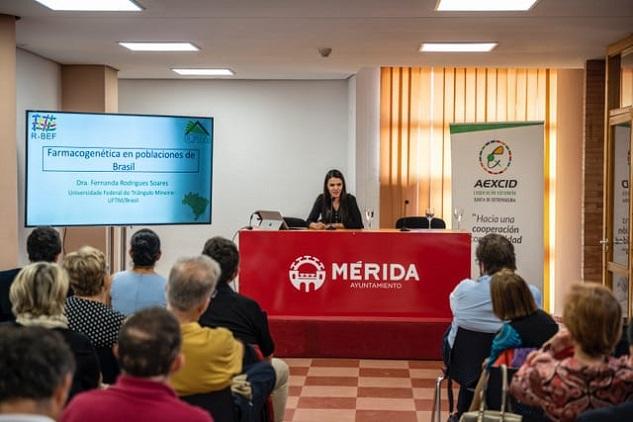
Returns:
(148, 352)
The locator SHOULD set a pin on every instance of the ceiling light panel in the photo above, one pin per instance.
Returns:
(159, 46)
(92, 5)
(204, 72)
(457, 47)
(484, 5)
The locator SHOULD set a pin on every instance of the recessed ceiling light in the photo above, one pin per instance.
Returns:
(159, 46)
(204, 72)
(465, 47)
(92, 5)
(484, 5)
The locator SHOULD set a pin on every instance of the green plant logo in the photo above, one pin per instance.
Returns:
(495, 157)
(195, 133)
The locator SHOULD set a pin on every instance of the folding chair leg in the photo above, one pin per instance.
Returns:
(451, 400)
(437, 400)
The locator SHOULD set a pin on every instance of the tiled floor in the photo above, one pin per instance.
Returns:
(353, 390)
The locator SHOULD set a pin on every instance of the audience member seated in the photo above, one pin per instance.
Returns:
(148, 352)
(618, 413)
(43, 244)
(243, 316)
(87, 311)
(525, 325)
(471, 302)
(574, 371)
(38, 294)
(36, 371)
(213, 355)
(141, 287)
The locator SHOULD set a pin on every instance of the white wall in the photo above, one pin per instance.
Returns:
(38, 86)
(273, 143)
(367, 139)
(351, 136)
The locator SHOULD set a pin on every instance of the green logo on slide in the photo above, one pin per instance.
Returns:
(195, 133)
(197, 203)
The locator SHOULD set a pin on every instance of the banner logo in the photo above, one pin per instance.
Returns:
(195, 133)
(307, 274)
(43, 126)
(495, 157)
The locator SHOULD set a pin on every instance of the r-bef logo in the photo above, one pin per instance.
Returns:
(495, 157)
(195, 133)
(307, 274)
(43, 126)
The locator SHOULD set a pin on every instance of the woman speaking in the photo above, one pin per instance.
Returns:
(335, 208)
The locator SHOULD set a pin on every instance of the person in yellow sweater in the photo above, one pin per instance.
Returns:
(212, 355)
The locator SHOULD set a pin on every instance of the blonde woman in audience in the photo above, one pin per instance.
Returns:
(38, 295)
(87, 311)
(141, 287)
(574, 371)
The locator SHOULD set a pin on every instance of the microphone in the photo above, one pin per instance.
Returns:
(249, 227)
(250, 220)
(331, 211)
(404, 222)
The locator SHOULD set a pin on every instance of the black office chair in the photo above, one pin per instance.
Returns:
(622, 346)
(438, 223)
(109, 365)
(218, 404)
(296, 223)
(419, 223)
(620, 412)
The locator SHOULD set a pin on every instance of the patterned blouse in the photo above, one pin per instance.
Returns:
(97, 321)
(565, 387)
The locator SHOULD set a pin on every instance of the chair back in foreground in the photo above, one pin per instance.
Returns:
(467, 355)
(109, 366)
(463, 364)
(219, 404)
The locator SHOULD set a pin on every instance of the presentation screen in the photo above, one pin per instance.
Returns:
(117, 169)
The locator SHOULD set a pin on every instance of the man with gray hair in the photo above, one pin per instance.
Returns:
(212, 355)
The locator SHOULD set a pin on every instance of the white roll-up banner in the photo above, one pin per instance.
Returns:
(498, 183)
